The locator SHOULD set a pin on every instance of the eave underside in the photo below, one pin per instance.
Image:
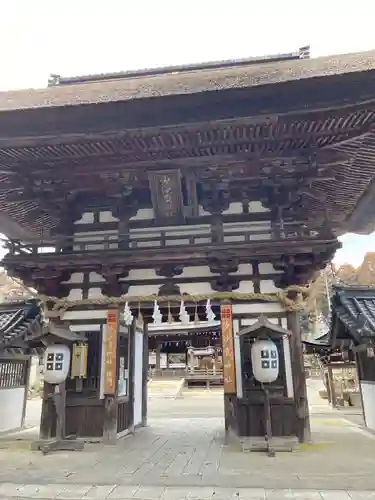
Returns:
(331, 130)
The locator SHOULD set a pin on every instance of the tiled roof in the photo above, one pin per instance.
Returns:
(302, 53)
(321, 342)
(353, 313)
(15, 321)
(187, 82)
(352, 318)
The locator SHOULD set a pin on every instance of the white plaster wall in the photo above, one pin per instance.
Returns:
(368, 396)
(144, 214)
(11, 407)
(244, 269)
(141, 274)
(234, 208)
(268, 286)
(75, 278)
(143, 290)
(96, 277)
(95, 293)
(87, 218)
(257, 308)
(267, 268)
(82, 327)
(245, 287)
(201, 211)
(196, 288)
(107, 216)
(196, 271)
(75, 294)
(275, 321)
(84, 315)
(257, 207)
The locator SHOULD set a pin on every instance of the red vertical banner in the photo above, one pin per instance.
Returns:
(228, 349)
(110, 352)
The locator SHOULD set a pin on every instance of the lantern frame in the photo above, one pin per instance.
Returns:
(263, 329)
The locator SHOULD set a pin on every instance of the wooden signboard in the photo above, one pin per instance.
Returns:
(228, 349)
(110, 353)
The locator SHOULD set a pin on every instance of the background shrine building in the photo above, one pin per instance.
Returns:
(178, 183)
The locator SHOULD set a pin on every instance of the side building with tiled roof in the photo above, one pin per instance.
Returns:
(352, 333)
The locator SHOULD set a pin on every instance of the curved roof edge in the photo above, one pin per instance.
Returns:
(301, 53)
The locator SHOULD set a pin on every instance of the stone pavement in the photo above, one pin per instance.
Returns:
(114, 492)
(182, 455)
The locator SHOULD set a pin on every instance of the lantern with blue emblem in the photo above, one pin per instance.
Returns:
(265, 361)
(56, 363)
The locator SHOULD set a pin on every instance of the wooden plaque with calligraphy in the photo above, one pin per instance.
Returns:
(110, 353)
(228, 349)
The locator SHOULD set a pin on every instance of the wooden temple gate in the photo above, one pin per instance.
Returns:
(186, 185)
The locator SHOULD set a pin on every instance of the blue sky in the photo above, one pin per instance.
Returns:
(72, 37)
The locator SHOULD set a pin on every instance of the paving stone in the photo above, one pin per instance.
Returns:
(362, 495)
(306, 495)
(10, 489)
(73, 491)
(183, 449)
(98, 492)
(175, 494)
(251, 494)
(147, 493)
(293, 495)
(335, 495)
(123, 492)
(203, 493)
(226, 493)
(42, 491)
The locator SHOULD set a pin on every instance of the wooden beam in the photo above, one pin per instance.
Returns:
(299, 379)
(174, 255)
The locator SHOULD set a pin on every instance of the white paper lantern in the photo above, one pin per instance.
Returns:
(265, 361)
(56, 363)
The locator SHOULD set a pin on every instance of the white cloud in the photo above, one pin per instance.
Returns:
(354, 248)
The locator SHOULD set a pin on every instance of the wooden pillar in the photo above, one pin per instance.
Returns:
(157, 355)
(48, 415)
(60, 405)
(131, 348)
(123, 231)
(360, 376)
(110, 377)
(27, 386)
(145, 375)
(110, 419)
(327, 386)
(299, 378)
(229, 372)
(331, 386)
